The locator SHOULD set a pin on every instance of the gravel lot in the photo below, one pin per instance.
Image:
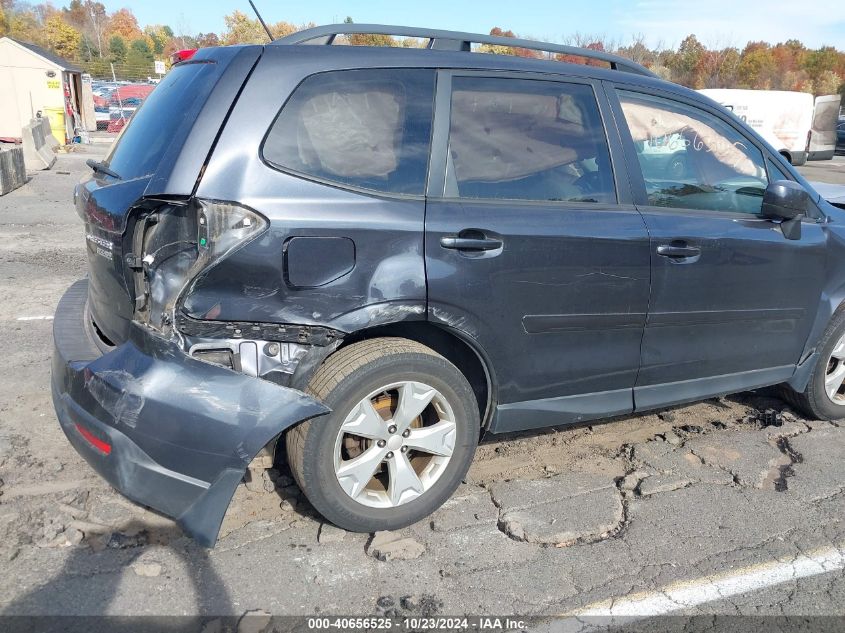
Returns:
(570, 520)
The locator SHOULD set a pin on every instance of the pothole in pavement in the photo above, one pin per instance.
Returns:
(786, 470)
(741, 442)
(559, 511)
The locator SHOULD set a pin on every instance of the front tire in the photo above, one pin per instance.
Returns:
(824, 396)
(400, 438)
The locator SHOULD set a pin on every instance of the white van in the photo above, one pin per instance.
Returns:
(823, 136)
(785, 120)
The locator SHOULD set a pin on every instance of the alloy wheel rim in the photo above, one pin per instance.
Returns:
(395, 444)
(834, 378)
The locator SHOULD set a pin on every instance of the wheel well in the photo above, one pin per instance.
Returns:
(447, 344)
(786, 155)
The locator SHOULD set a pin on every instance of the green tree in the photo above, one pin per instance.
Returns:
(159, 34)
(99, 67)
(117, 49)
(818, 63)
(686, 63)
(139, 59)
(757, 67)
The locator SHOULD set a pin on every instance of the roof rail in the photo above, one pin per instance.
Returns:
(456, 41)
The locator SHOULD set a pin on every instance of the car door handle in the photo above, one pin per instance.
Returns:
(678, 252)
(470, 243)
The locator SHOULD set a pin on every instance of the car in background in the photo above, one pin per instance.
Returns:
(102, 114)
(665, 152)
(840, 136)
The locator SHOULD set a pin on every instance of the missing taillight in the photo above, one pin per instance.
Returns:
(176, 243)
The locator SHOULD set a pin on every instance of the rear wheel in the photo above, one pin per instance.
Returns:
(824, 396)
(401, 435)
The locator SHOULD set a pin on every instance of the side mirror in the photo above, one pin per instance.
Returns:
(788, 202)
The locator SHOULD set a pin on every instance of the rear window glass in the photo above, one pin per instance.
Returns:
(363, 128)
(162, 118)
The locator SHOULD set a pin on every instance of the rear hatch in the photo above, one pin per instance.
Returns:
(157, 159)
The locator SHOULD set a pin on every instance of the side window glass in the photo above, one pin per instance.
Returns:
(691, 159)
(523, 139)
(363, 128)
(776, 173)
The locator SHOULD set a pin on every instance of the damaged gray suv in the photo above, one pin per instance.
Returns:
(360, 260)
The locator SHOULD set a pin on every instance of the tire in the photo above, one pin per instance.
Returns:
(319, 455)
(814, 400)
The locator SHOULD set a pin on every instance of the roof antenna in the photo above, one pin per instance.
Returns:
(260, 19)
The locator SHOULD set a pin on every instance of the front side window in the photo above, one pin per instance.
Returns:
(523, 139)
(776, 173)
(363, 128)
(691, 159)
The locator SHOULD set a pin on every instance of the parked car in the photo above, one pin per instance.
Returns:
(102, 116)
(361, 260)
(840, 137)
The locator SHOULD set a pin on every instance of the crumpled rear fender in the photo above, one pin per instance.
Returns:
(182, 431)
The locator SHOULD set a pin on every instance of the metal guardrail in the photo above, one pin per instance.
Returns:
(456, 41)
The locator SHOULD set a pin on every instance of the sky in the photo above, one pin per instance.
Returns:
(714, 22)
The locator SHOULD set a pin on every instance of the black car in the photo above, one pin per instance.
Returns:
(840, 136)
(361, 260)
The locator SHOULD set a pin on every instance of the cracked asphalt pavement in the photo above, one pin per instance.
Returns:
(545, 524)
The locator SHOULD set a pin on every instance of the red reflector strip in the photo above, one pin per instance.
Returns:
(95, 441)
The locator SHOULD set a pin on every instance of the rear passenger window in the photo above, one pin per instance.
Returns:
(363, 128)
(524, 139)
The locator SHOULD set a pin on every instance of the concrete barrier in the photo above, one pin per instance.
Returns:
(49, 138)
(36, 153)
(12, 169)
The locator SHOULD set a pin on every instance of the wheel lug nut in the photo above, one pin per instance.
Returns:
(389, 454)
(406, 432)
(381, 443)
(391, 428)
(404, 449)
